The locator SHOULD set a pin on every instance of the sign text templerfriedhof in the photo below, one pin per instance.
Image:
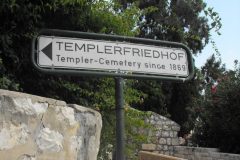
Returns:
(63, 52)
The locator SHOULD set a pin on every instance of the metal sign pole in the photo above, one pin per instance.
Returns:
(120, 141)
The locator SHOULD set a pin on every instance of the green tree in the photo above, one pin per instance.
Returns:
(218, 122)
(178, 21)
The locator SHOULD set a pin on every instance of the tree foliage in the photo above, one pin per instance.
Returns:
(178, 21)
(218, 119)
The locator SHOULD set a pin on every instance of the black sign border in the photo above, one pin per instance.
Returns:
(94, 36)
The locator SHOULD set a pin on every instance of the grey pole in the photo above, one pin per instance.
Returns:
(120, 141)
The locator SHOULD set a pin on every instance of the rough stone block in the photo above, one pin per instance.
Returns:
(176, 128)
(175, 141)
(149, 147)
(159, 147)
(166, 127)
(38, 128)
(169, 141)
(175, 134)
(165, 147)
(170, 148)
(165, 133)
(162, 141)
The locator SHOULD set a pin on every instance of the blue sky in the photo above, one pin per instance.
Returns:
(229, 42)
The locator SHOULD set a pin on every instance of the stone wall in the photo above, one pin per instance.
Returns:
(37, 128)
(164, 140)
(163, 137)
(198, 153)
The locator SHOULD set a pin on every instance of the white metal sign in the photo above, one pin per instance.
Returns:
(112, 56)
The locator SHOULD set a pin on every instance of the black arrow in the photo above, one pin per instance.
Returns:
(48, 50)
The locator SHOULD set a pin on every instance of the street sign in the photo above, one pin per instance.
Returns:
(111, 55)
